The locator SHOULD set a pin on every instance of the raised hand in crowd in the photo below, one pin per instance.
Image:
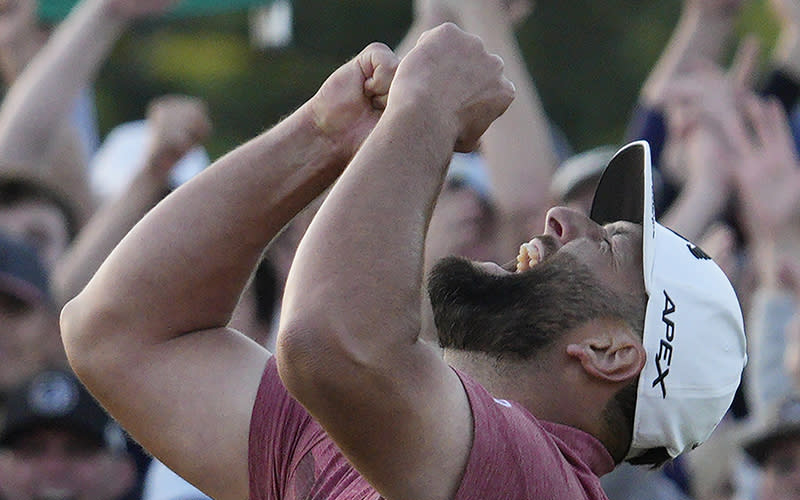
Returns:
(767, 177)
(176, 124)
(700, 106)
(20, 37)
(768, 180)
(703, 32)
(36, 107)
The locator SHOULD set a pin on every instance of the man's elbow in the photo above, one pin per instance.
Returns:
(82, 333)
(311, 354)
(295, 354)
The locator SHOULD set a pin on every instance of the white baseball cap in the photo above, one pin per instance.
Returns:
(693, 328)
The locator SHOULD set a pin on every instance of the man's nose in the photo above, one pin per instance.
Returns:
(566, 224)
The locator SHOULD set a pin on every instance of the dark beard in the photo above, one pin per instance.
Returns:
(516, 314)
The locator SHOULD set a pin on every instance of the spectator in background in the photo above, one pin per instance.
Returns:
(57, 443)
(765, 173)
(41, 98)
(774, 444)
(703, 32)
(22, 35)
(463, 221)
(29, 335)
(32, 115)
(33, 208)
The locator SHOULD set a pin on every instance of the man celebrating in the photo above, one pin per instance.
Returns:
(553, 372)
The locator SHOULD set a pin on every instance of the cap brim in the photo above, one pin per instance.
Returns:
(625, 193)
(620, 191)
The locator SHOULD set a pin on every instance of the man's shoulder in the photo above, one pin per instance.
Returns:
(524, 457)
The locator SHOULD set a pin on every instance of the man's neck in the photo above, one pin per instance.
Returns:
(546, 385)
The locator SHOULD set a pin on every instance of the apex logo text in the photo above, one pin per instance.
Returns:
(665, 347)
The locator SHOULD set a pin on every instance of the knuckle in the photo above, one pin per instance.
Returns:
(376, 47)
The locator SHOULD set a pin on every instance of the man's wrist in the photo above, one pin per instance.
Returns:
(321, 139)
(317, 130)
(427, 114)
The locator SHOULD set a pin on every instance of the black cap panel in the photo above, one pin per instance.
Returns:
(623, 176)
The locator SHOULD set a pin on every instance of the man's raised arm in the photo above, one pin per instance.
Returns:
(148, 334)
(348, 345)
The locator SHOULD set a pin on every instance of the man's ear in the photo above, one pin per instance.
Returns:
(614, 354)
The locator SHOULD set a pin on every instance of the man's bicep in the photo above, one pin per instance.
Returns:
(189, 401)
(406, 424)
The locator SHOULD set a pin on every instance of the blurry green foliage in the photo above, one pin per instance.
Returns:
(588, 59)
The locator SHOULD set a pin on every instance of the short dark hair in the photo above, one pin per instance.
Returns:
(15, 190)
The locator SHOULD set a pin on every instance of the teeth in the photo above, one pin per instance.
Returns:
(522, 258)
(528, 256)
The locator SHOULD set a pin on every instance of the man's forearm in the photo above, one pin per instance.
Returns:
(186, 262)
(381, 264)
(518, 146)
(15, 56)
(103, 232)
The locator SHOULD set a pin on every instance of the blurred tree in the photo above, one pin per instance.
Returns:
(588, 59)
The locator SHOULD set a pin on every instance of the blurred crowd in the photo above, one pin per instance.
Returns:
(724, 139)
